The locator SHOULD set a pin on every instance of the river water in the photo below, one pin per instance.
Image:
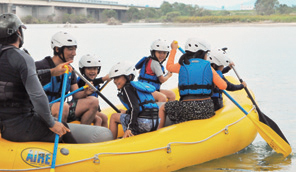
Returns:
(264, 56)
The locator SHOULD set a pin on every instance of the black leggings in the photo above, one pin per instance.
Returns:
(68, 137)
(31, 127)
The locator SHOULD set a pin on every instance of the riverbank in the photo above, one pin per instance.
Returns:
(234, 24)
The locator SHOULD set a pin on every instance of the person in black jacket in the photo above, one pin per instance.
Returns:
(24, 108)
(141, 115)
(219, 59)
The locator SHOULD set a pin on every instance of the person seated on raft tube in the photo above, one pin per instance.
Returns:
(90, 67)
(84, 108)
(152, 70)
(141, 115)
(196, 78)
(218, 60)
(24, 107)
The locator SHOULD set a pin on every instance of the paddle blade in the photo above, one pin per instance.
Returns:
(272, 138)
(266, 120)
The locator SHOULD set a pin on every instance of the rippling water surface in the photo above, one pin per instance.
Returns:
(264, 56)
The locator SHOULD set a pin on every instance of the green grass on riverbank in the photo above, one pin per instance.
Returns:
(247, 17)
(236, 18)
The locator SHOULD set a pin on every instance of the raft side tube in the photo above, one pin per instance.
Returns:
(89, 133)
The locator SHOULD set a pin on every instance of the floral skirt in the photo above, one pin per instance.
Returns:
(181, 111)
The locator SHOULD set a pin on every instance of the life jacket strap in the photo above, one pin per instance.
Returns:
(149, 80)
(195, 87)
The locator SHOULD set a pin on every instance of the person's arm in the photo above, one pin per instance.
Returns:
(226, 69)
(233, 87)
(74, 86)
(45, 75)
(163, 78)
(106, 78)
(98, 81)
(218, 81)
(26, 68)
(171, 66)
(157, 70)
(101, 80)
(81, 94)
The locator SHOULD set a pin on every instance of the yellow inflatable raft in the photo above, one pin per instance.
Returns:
(168, 149)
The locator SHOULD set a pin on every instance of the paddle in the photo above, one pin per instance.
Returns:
(79, 89)
(70, 94)
(56, 141)
(270, 133)
(103, 86)
(263, 118)
(96, 90)
(267, 133)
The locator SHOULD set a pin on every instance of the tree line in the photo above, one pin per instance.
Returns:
(180, 12)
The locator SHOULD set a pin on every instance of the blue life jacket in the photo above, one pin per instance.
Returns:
(53, 89)
(145, 99)
(196, 78)
(216, 91)
(147, 78)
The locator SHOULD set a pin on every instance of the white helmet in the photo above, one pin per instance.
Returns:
(160, 45)
(122, 68)
(89, 61)
(219, 57)
(195, 44)
(61, 39)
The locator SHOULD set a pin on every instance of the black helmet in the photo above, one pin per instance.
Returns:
(9, 24)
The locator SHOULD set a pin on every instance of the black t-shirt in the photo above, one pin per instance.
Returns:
(47, 63)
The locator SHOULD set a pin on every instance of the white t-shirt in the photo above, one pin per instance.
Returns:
(156, 68)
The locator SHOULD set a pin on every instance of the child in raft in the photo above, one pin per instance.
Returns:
(196, 78)
(90, 67)
(141, 115)
(152, 70)
(218, 60)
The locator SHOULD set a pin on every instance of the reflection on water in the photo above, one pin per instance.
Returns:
(258, 156)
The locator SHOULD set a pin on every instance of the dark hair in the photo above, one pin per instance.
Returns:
(61, 49)
(58, 52)
(200, 54)
(9, 40)
(214, 66)
(185, 58)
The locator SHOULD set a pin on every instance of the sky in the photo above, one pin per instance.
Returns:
(212, 4)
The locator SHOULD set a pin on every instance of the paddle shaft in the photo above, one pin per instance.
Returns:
(249, 94)
(103, 86)
(56, 141)
(181, 49)
(97, 91)
(70, 94)
(79, 89)
(262, 117)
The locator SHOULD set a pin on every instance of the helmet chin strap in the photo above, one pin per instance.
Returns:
(61, 52)
(21, 40)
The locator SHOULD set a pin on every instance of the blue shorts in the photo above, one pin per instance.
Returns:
(144, 124)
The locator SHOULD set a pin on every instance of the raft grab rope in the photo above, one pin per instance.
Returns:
(168, 148)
